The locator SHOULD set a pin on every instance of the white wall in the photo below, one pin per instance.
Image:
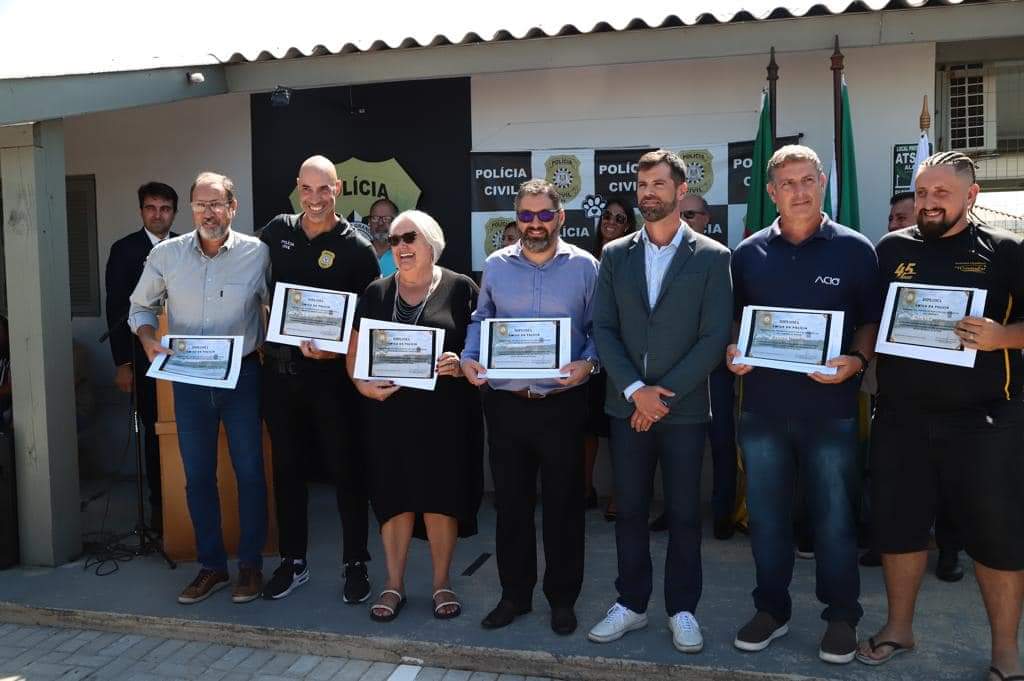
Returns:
(709, 101)
(169, 143)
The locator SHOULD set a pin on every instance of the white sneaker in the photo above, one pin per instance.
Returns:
(619, 621)
(686, 635)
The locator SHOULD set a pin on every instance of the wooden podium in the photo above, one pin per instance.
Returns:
(179, 539)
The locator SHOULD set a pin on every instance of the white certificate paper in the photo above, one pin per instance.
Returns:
(404, 354)
(790, 339)
(211, 361)
(301, 313)
(918, 322)
(525, 348)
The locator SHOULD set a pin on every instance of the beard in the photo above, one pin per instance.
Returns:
(213, 232)
(536, 244)
(658, 211)
(935, 229)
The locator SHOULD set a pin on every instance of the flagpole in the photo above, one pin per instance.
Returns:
(837, 104)
(773, 78)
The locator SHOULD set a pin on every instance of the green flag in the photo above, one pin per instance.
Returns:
(760, 209)
(842, 186)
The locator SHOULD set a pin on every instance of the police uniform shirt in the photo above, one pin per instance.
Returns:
(339, 260)
(978, 257)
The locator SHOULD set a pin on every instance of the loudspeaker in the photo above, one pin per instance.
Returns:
(8, 503)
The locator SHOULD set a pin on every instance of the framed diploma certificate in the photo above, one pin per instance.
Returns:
(213, 361)
(790, 339)
(525, 348)
(404, 354)
(301, 313)
(918, 322)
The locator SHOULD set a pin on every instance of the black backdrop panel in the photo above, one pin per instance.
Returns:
(425, 125)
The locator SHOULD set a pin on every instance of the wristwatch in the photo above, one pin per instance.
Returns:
(595, 364)
(863, 360)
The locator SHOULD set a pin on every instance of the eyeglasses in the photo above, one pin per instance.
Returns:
(543, 215)
(617, 218)
(381, 219)
(690, 214)
(215, 206)
(407, 238)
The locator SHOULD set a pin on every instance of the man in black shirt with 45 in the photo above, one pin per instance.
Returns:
(309, 403)
(951, 436)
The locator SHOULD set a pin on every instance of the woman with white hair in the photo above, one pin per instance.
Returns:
(426, 478)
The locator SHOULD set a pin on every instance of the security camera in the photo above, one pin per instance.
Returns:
(281, 96)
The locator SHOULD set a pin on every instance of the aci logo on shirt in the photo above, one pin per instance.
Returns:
(828, 281)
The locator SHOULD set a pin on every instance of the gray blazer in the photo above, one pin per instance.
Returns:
(678, 343)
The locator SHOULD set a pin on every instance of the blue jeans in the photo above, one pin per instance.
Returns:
(199, 412)
(680, 448)
(722, 434)
(825, 451)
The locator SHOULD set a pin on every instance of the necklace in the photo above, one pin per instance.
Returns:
(404, 313)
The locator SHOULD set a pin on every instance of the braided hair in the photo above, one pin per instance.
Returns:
(962, 164)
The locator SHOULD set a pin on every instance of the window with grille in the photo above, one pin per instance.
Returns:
(83, 261)
(967, 113)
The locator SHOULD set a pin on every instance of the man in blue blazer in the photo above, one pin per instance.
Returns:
(662, 319)
(158, 204)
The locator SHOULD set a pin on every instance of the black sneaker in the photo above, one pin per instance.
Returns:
(288, 577)
(759, 632)
(839, 644)
(357, 584)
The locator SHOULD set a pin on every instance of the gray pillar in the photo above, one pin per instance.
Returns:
(42, 372)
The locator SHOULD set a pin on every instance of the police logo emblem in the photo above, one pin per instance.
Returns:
(494, 230)
(766, 320)
(382, 336)
(296, 297)
(563, 171)
(502, 330)
(910, 297)
(326, 260)
(699, 173)
(182, 346)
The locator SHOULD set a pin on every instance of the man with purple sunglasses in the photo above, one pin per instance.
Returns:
(537, 424)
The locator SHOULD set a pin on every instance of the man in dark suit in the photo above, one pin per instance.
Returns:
(158, 204)
(662, 318)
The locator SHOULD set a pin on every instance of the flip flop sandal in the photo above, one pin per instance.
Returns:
(1004, 677)
(896, 649)
(392, 612)
(437, 606)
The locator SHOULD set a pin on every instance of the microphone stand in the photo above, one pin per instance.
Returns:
(148, 541)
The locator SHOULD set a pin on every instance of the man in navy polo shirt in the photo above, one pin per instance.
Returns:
(792, 421)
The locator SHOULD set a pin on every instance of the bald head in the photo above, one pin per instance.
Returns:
(319, 164)
(318, 188)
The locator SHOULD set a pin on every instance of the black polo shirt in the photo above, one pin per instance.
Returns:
(835, 269)
(979, 257)
(340, 260)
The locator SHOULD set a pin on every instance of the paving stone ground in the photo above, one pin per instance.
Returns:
(29, 653)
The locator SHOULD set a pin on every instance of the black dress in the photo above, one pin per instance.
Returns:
(425, 449)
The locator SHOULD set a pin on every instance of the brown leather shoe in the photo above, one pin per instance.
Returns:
(205, 583)
(249, 586)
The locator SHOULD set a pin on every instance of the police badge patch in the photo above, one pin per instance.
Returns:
(699, 173)
(494, 229)
(563, 171)
(326, 260)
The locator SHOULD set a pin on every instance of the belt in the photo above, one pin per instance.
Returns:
(528, 394)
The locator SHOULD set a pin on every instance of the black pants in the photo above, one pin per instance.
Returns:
(146, 396)
(310, 409)
(525, 436)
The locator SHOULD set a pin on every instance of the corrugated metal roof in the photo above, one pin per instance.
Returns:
(123, 35)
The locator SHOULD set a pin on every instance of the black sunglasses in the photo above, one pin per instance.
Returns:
(528, 215)
(407, 238)
(690, 214)
(617, 218)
